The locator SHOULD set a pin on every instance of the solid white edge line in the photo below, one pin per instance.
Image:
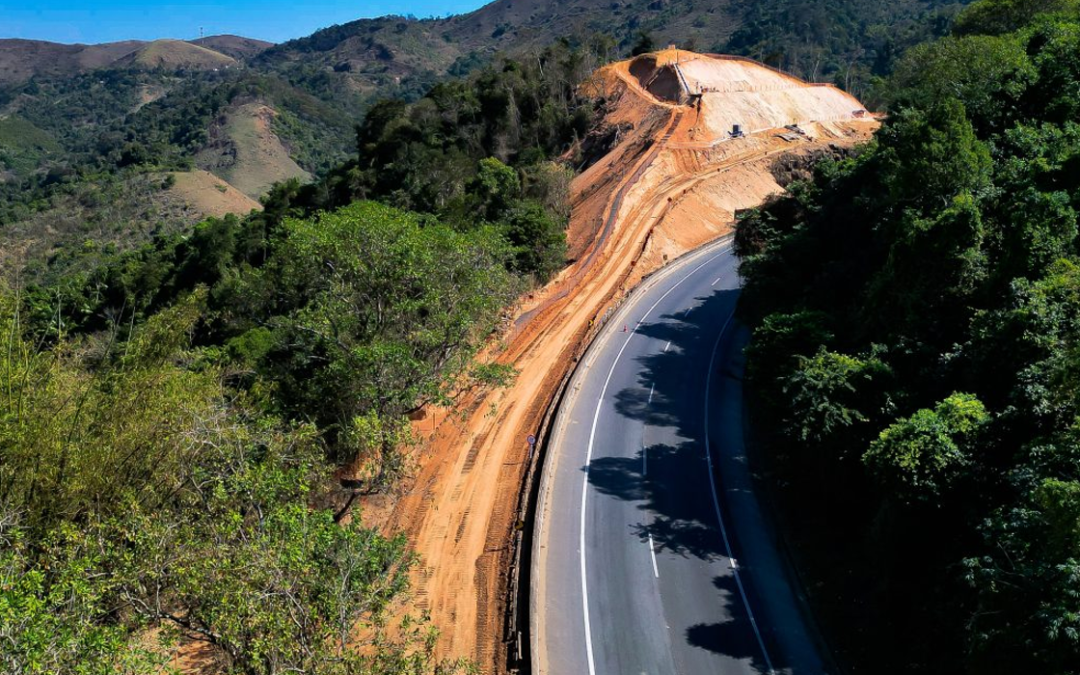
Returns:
(588, 456)
(716, 502)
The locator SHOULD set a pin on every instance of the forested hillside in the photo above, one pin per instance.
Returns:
(171, 415)
(916, 355)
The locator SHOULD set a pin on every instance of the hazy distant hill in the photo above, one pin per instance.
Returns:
(21, 60)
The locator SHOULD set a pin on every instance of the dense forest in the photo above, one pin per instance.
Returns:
(916, 355)
(171, 416)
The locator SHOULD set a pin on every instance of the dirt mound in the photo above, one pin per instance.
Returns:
(659, 79)
(246, 153)
(671, 182)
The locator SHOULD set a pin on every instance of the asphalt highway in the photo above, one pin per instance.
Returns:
(652, 552)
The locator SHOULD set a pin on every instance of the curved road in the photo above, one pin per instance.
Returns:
(652, 553)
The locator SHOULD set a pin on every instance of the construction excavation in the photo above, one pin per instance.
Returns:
(697, 138)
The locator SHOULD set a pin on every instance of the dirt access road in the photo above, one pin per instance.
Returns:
(672, 183)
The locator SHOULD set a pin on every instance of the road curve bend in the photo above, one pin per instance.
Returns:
(652, 553)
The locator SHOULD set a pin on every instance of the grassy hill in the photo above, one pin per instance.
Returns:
(247, 153)
(23, 147)
(176, 55)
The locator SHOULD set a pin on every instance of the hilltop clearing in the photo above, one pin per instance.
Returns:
(175, 55)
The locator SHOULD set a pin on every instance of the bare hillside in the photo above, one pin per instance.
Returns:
(247, 153)
(175, 55)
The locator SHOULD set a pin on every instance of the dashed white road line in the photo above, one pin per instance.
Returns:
(716, 282)
(652, 552)
(667, 346)
(651, 390)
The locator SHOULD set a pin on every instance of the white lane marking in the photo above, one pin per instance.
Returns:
(651, 390)
(644, 458)
(588, 459)
(667, 346)
(716, 502)
(652, 551)
(716, 282)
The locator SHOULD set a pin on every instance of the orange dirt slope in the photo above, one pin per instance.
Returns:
(672, 183)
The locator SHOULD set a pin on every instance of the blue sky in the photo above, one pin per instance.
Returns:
(93, 21)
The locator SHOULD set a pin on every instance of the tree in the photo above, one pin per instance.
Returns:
(245, 564)
(383, 312)
(928, 158)
(57, 618)
(539, 241)
(995, 17)
(920, 457)
(497, 186)
(989, 75)
(1025, 584)
(830, 393)
(643, 44)
(777, 345)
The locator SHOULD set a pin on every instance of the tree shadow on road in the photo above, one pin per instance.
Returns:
(669, 397)
(728, 638)
(674, 495)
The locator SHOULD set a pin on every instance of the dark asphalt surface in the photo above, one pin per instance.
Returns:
(634, 570)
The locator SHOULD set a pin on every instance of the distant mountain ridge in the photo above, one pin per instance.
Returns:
(20, 60)
(827, 40)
